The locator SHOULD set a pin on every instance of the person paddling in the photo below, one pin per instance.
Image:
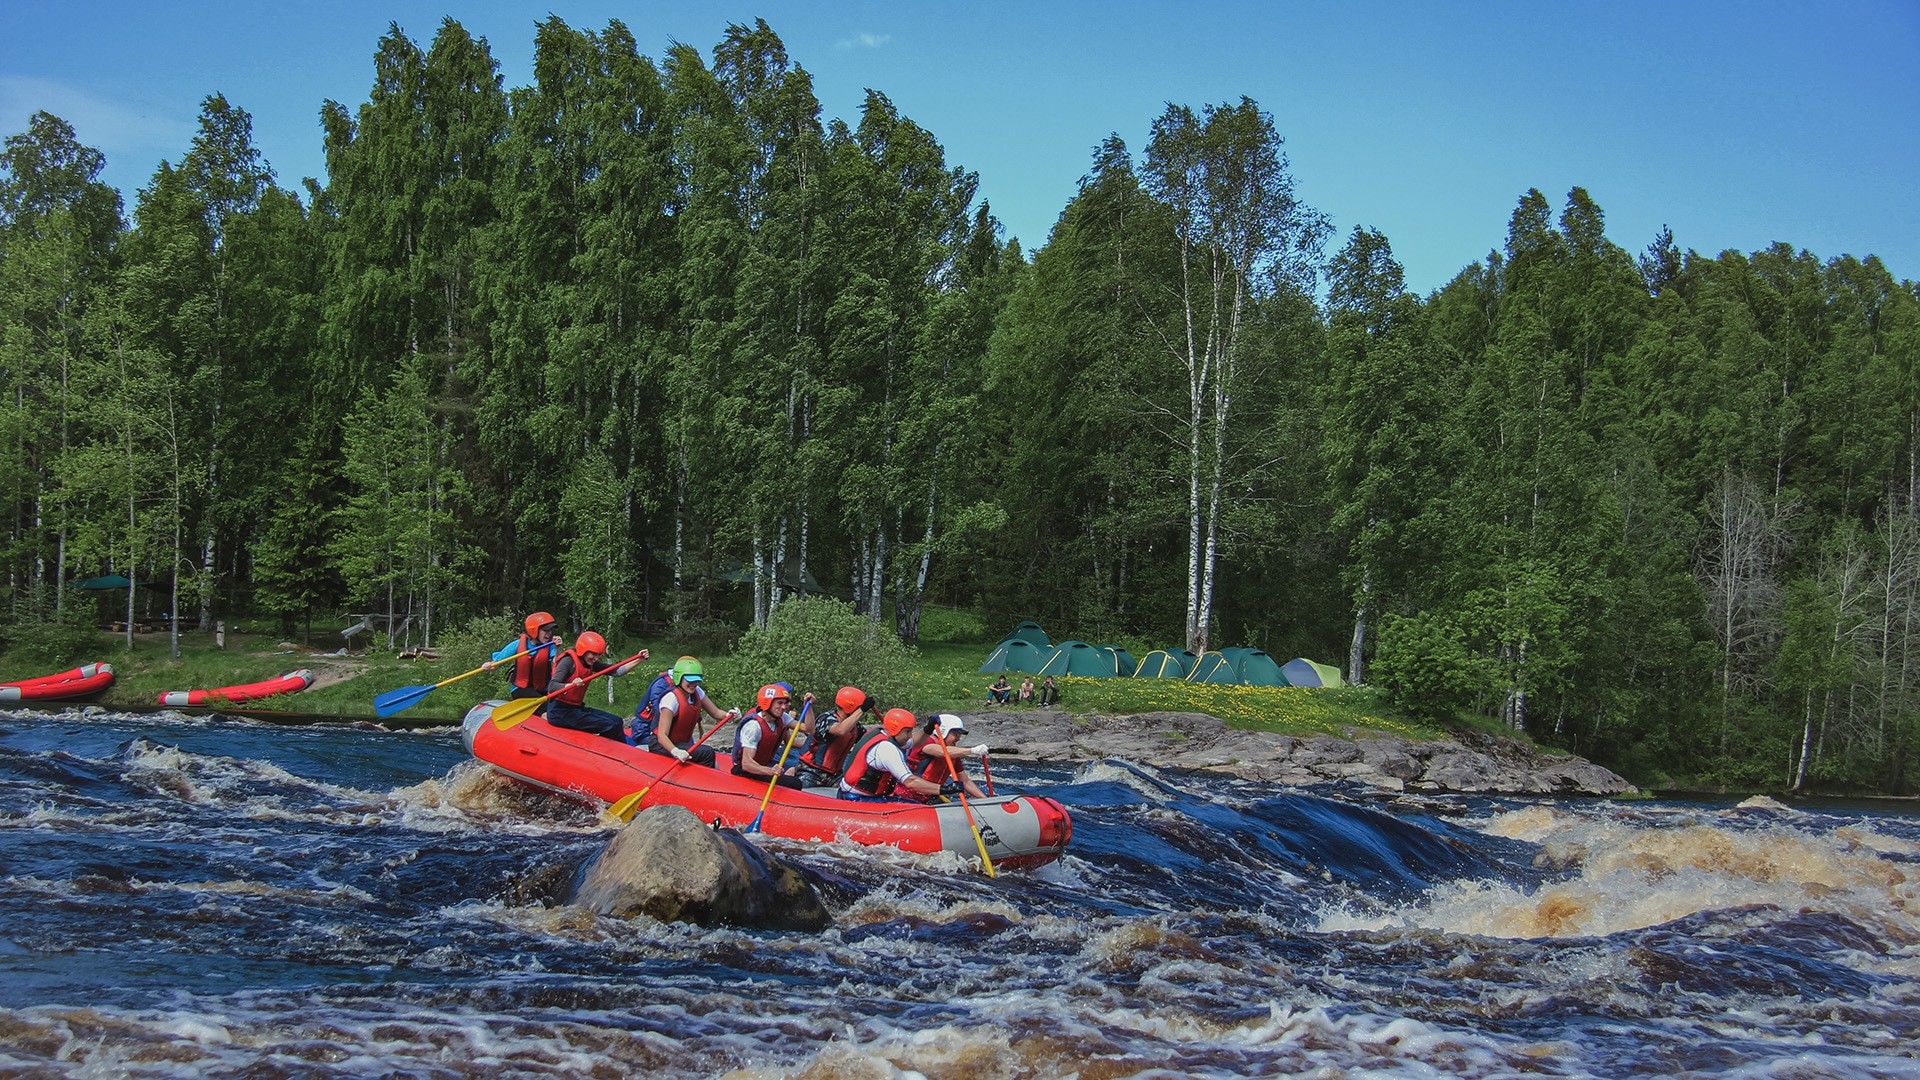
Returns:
(877, 771)
(764, 732)
(832, 736)
(569, 709)
(533, 654)
(931, 758)
(679, 713)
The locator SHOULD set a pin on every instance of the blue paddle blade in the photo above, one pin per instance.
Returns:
(394, 701)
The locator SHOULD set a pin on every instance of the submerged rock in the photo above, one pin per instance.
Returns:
(667, 864)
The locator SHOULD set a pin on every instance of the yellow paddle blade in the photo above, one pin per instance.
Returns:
(509, 713)
(629, 805)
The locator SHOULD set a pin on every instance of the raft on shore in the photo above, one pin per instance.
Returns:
(1018, 830)
(288, 683)
(84, 683)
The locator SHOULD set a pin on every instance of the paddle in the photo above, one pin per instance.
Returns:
(628, 805)
(953, 762)
(407, 697)
(510, 713)
(774, 780)
(988, 769)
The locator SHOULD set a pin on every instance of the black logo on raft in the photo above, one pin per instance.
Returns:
(987, 835)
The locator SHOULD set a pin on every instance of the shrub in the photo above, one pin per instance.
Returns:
(41, 638)
(1425, 667)
(820, 644)
(938, 624)
(473, 642)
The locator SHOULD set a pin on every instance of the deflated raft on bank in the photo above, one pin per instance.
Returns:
(289, 683)
(83, 683)
(1019, 830)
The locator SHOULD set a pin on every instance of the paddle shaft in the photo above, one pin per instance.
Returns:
(774, 780)
(511, 713)
(407, 697)
(979, 841)
(629, 805)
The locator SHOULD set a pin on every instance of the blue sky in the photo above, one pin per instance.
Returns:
(1737, 124)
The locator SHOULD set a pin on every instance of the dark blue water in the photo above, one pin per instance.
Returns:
(213, 897)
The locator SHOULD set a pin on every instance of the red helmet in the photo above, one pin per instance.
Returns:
(850, 698)
(537, 620)
(897, 721)
(773, 692)
(588, 641)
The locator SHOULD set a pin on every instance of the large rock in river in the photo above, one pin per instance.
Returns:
(669, 865)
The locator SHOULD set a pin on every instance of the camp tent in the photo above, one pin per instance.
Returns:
(1016, 655)
(1212, 667)
(1254, 667)
(1123, 664)
(103, 583)
(1303, 672)
(1164, 664)
(1078, 658)
(1031, 633)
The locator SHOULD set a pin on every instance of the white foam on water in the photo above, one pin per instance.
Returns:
(1625, 875)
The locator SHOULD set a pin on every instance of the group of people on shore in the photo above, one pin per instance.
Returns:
(902, 758)
(1046, 696)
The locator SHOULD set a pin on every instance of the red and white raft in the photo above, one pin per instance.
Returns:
(291, 682)
(83, 683)
(1019, 830)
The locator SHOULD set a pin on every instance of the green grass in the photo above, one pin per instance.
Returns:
(944, 680)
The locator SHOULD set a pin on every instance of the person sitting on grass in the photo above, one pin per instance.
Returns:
(1000, 691)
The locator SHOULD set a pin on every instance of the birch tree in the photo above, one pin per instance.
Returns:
(1240, 231)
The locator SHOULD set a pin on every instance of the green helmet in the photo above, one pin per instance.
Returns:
(686, 666)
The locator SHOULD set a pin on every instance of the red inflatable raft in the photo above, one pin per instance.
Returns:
(233, 695)
(1019, 830)
(81, 684)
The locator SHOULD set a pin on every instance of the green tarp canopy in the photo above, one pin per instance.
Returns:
(1214, 668)
(1254, 667)
(1078, 658)
(1016, 655)
(1164, 664)
(1303, 672)
(104, 582)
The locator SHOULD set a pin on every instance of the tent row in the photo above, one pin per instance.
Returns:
(1027, 649)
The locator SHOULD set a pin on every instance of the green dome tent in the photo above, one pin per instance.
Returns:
(1016, 655)
(1123, 664)
(1078, 658)
(1214, 668)
(1254, 667)
(1164, 664)
(1303, 672)
(1031, 633)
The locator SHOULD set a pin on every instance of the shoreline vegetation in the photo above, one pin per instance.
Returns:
(1289, 735)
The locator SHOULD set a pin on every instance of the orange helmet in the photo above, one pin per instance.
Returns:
(588, 641)
(850, 698)
(897, 721)
(537, 620)
(773, 692)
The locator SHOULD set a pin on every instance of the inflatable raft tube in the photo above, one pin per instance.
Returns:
(289, 683)
(82, 683)
(1019, 830)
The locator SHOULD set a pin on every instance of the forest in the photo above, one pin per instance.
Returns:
(653, 344)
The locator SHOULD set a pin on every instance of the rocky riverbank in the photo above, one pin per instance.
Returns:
(1479, 765)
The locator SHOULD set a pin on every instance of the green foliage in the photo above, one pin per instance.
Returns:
(41, 641)
(1425, 667)
(943, 625)
(819, 644)
(471, 644)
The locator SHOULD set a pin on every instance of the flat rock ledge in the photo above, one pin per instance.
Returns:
(1484, 765)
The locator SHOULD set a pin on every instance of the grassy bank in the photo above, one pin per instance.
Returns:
(945, 679)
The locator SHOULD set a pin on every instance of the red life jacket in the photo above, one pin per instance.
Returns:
(829, 752)
(864, 778)
(574, 695)
(930, 766)
(770, 738)
(686, 714)
(535, 669)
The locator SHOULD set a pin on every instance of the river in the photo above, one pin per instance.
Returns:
(206, 896)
